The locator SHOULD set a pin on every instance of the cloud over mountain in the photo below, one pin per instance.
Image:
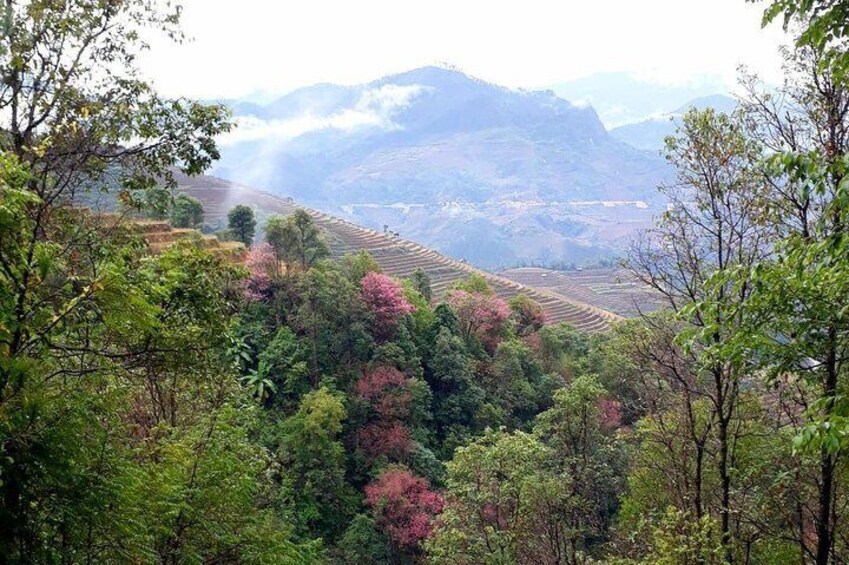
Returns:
(471, 168)
(374, 108)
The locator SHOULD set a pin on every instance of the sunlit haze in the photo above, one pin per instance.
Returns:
(256, 47)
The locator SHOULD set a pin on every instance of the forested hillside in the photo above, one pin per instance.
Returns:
(395, 255)
(164, 401)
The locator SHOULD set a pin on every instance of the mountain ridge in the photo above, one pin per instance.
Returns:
(622, 98)
(650, 134)
(439, 155)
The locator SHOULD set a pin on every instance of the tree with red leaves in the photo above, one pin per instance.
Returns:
(387, 392)
(480, 315)
(261, 263)
(384, 298)
(403, 506)
(610, 413)
(385, 439)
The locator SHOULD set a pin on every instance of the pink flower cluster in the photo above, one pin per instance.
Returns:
(610, 413)
(387, 392)
(384, 298)
(389, 439)
(386, 389)
(479, 314)
(261, 263)
(404, 506)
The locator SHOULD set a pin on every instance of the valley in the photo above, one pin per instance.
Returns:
(512, 175)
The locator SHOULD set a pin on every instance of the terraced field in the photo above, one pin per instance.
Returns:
(614, 290)
(395, 255)
(160, 235)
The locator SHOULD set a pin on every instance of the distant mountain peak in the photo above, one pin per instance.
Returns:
(530, 175)
(650, 134)
(622, 98)
(437, 75)
(719, 102)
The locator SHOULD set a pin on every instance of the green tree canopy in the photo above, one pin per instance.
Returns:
(296, 239)
(241, 224)
(186, 212)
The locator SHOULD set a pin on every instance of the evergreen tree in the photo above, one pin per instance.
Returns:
(421, 282)
(241, 224)
(456, 394)
(186, 212)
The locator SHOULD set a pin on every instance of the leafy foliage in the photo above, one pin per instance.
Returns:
(186, 212)
(404, 505)
(241, 224)
(823, 25)
(296, 240)
(174, 408)
(527, 316)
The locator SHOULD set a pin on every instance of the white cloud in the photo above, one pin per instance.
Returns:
(388, 98)
(580, 103)
(251, 128)
(374, 108)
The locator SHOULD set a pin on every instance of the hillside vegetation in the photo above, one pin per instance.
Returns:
(395, 256)
(299, 390)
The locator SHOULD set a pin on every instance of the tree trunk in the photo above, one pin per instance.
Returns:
(725, 485)
(827, 461)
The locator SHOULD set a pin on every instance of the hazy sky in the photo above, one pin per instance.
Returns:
(273, 46)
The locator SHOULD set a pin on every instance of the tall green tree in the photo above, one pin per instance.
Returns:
(328, 315)
(579, 430)
(712, 228)
(796, 323)
(491, 493)
(186, 212)
(297, 240)
(241, 224)
(422, 283)
(314, 462)
(457, 396)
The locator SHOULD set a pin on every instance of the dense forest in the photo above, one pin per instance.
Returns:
(177, 407)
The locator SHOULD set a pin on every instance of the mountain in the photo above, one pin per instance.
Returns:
(649, 134)
(477, 171)
(622, 98)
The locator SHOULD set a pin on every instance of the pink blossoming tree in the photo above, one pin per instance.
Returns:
(387, 393)
(384, 298)
(385, 439)
(404, 506)
(261, 262)
(480, 315)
